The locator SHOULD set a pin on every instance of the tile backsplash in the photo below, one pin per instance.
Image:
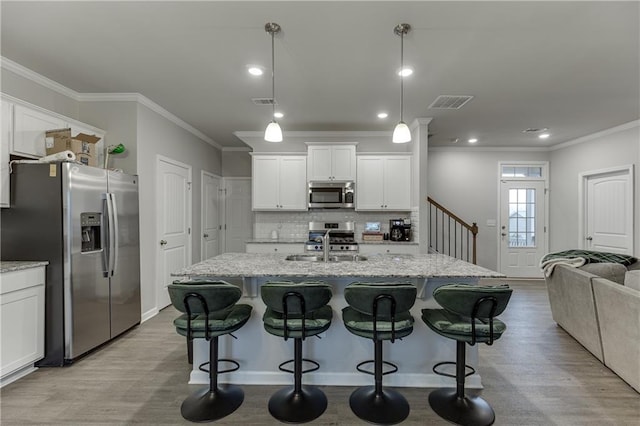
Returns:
(296, 224)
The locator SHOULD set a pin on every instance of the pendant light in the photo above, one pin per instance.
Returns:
(401, 134)
(273, 133)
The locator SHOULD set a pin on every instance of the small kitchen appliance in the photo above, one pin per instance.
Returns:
(341, 236)
(399, 230)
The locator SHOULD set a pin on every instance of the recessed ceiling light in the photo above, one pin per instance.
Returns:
(278, 114)
(255, 70)
(544, 135)
(382, 115)
(473, 140)
(405, 72)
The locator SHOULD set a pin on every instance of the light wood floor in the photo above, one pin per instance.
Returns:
(535, 375)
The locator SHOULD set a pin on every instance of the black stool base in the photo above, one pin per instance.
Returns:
(466, 411)
(290, 407)
(388, 408)
(206, 406)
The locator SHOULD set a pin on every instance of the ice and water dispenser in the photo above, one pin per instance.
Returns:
(91, 232)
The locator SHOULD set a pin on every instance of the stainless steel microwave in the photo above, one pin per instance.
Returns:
(331, 195)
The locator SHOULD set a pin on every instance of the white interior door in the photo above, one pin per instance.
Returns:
(608, 211)
(238, 214)
(174, 223)
(522, 228)
(211, 196)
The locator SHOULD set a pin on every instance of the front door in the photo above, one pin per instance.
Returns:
(174, 223)
(608, 210)
(522, 227)
(211, 190)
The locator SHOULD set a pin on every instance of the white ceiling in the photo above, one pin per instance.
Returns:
(573, 67)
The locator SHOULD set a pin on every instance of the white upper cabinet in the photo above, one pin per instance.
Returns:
(5, 137)
(29, 127)
(331, 162)
(279, 182)
(384, 183)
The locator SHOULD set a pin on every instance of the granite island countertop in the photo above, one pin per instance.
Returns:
(245, 265)
(18, 265)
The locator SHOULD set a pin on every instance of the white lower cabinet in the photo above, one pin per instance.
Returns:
(21, 321)
(275, 248)
(389, 249)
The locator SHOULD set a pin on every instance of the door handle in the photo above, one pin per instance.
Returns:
(503, 234)
(162, 242)
(206, 235)
(589, 238)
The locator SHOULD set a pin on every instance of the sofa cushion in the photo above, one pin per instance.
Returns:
(632, 279)
(610, 271)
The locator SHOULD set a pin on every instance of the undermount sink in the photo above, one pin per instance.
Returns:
(332, 258)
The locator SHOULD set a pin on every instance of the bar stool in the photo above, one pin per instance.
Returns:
(210, 311)
(379, 311)
(297, 311)
(468, 317)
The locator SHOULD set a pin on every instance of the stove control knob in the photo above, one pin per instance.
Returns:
(341, 247)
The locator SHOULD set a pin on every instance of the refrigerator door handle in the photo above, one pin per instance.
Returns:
(106, 225)
(112, 232)
(116, 229)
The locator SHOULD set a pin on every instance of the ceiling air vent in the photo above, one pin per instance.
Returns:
(450, 102)
(264, 101)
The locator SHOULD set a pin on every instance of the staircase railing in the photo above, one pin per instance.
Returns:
(450, 235)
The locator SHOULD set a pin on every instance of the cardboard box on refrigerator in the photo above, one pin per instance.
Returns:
(82, 145)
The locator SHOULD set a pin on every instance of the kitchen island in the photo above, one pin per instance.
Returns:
(338, 351)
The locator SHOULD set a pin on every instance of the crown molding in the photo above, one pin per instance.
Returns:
(103, 97)
(236, 149)
(25, 72)
(488, 149)
(597, 135)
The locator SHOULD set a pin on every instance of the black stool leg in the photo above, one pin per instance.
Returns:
(453, 405)
(375, 404)
(297, 403)
(213, 402)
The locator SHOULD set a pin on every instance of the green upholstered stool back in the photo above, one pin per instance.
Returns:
(360, 296)
(316, 294)
(218, 295)
(461, 299)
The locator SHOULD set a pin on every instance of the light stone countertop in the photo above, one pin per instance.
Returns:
(247, 265)
(276, 241)
(15, 265)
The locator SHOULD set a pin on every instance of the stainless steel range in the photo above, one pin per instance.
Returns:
(341, 236)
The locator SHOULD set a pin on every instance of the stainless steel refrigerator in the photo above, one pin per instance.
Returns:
(84, 221)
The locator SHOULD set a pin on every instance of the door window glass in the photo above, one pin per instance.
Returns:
(522, 217)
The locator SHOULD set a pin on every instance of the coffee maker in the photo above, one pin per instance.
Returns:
(399, 230)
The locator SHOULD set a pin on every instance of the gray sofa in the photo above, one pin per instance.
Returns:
(593, 304)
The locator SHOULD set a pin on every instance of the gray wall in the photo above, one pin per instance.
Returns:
(119, 120)
(466, 182)
(619, 148)
(236, 164)
(158, 136)
(25, 89)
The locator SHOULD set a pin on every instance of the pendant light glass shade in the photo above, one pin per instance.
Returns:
(401, 134)
(273, 132)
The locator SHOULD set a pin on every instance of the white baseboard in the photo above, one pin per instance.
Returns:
(18, 374)
(149, 314)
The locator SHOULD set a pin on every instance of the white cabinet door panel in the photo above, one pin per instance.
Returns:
(293, 183)
(29, 131)
(265, 183)
(5, 139)
(397, 183)
(343, 162)
(319, 163)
